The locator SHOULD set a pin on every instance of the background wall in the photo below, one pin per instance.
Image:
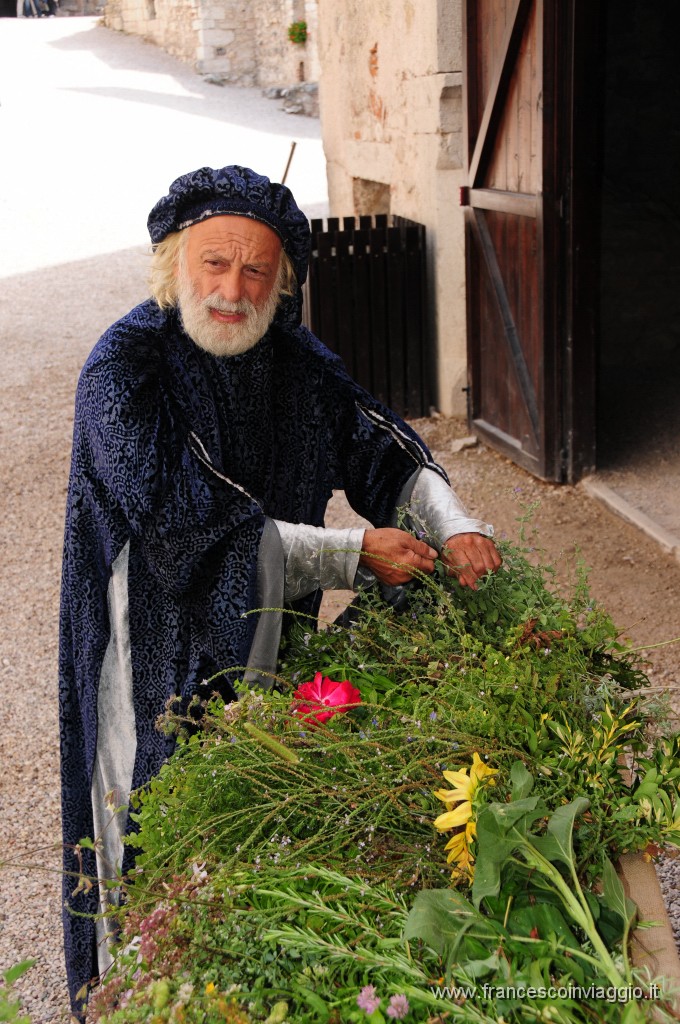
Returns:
(391, 115)
(390, 83)
(242, 42)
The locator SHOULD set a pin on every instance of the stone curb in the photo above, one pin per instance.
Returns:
(601, 492)
(653, 947)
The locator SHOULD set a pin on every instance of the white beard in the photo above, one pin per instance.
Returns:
(218, 338)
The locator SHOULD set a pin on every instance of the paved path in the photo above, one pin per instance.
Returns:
(96, 124)
(94, 127)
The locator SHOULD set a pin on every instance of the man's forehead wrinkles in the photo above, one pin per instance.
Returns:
(232, 244)
(229, 238)
(228, 251)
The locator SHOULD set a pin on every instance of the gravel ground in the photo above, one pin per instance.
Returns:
(65, 280)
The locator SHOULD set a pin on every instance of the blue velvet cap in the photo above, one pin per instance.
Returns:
(234, 190)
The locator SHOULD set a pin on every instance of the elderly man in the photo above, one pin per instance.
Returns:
(210, 431)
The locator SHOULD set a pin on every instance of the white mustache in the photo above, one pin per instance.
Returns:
(222, 306)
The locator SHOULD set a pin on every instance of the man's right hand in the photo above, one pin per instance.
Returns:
(392, 555)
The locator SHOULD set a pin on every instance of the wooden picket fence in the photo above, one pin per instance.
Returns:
(365, 298)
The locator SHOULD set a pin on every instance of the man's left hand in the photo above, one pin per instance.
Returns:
(470, 556)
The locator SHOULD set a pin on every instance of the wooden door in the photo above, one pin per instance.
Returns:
(530, 287)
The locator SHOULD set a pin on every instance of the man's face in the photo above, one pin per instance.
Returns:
(228, 283)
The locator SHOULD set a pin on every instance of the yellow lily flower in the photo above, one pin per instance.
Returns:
(466, 787)
(464, 868)
(459, 803)
(451, 819)
(460, 842)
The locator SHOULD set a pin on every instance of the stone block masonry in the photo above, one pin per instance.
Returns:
(235, 42)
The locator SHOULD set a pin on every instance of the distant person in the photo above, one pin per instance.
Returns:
(211, 429)
(39, 8)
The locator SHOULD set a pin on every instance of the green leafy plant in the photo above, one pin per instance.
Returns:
(10, 1008)
(297, 32)
(289, 862)
(536, 911)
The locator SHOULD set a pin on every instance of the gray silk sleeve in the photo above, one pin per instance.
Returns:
(437, 511)
(317, 557)
(264, 649)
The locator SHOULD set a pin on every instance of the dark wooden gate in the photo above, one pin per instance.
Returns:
(365, 298)
(531, 352)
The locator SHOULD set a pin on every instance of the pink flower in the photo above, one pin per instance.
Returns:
(398, 1007)
(367, 1000)
(321, 694)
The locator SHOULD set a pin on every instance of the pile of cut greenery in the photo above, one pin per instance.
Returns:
(290, 869)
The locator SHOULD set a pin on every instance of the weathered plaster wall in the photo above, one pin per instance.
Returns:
(390, 94)
(242, 42)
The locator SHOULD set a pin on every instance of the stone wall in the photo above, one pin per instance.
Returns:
(279, 60)
(391, 114)
(240, 42)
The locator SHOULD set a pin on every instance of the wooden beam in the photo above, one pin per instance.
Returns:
(523, 204)
(502, 75)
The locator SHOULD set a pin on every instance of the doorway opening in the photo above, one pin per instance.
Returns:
(638, 401)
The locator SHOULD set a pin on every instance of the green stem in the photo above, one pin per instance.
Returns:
(650, 647)
(563, 948)
(626, 957)
(577, 907)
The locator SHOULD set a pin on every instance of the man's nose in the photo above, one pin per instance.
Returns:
(231, 285)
